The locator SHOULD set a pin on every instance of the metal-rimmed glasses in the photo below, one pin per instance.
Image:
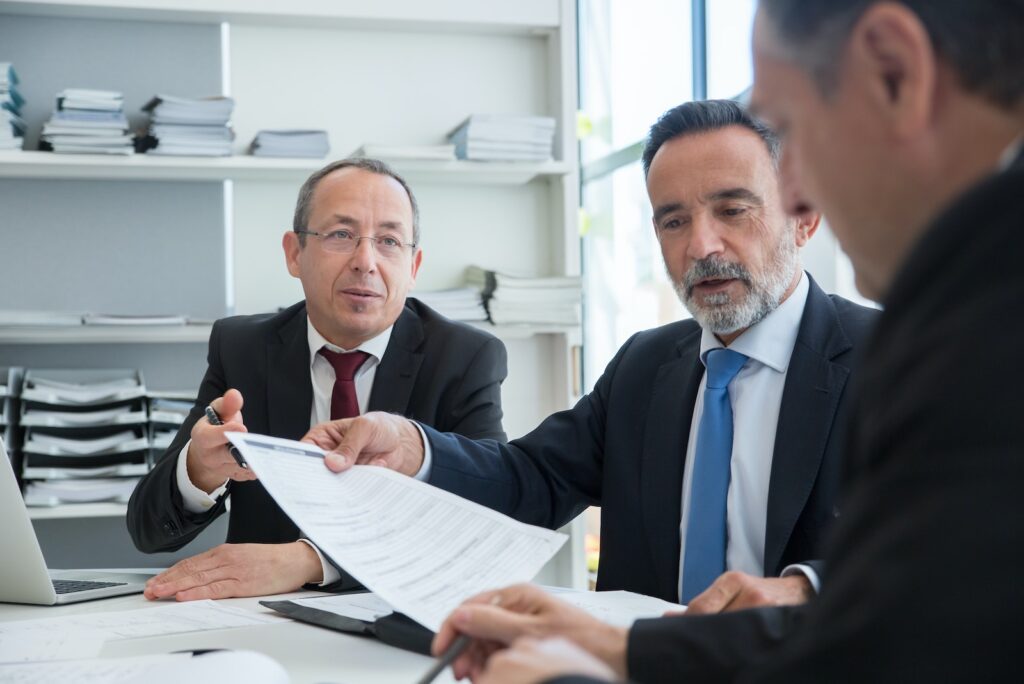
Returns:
(346, 242)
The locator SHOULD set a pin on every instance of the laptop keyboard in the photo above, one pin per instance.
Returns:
(74, 586)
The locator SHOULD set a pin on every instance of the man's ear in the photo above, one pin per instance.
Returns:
(291, 246)
(806, 226)
(891, 55)
(417, 260)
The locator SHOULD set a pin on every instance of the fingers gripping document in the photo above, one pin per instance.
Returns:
(420, 549)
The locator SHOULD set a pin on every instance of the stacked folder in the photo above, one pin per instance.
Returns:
(10, 388)
(90, 122)
(458, 304)
(167, 411)
(514, 299)
(86, 435)
(190, 126)
(306, 144)
(12, 126)
(497, 137)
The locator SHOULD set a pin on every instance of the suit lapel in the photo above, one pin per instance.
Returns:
(810, 400)
(669, 414)
(289, 387)
(396, 374)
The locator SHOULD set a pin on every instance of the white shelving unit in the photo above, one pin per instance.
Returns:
(389, 71)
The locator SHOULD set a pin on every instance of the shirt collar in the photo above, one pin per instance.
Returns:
(770, 341)
(375, 346)
(1011, 153)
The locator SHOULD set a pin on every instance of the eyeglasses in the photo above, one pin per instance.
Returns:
(345, 242)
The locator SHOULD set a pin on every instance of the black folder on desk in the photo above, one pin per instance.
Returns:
(394, 629)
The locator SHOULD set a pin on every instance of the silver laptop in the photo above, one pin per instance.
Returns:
(23, 574)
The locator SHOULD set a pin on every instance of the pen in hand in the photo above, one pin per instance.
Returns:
(215, 419)
(445, 659)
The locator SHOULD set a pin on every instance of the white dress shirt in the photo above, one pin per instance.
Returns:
(321, 372)
(755, 395)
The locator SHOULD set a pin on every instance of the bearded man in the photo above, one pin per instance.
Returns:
(711, 445)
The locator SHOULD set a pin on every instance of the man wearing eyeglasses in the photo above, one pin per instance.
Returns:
(356, 343)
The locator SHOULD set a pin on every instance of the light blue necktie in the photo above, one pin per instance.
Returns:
(706, 529)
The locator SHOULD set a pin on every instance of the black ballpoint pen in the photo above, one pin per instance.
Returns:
(214, 418)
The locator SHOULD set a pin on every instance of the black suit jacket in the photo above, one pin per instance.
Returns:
(929, 552)
(434, 370)
(623, 447)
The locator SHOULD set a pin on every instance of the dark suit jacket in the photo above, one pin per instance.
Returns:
(927, 558)
(623, 447)
(434, 370)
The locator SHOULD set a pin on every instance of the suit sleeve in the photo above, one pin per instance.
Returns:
(706, 648)
(476, 405)
(157, 520)
(545, 478)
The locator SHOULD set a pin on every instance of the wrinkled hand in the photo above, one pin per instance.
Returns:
(209, 462)
(533, 661)
(376, 438)
(232, 570)
(735, 590)
(497, 618)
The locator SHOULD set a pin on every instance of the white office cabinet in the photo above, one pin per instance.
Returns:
(389, 71)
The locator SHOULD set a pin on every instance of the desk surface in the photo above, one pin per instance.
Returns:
(310, 654)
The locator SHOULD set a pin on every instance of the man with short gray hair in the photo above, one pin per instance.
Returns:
(356, 343)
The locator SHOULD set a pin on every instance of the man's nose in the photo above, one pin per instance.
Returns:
(705, 238)
(364, 258)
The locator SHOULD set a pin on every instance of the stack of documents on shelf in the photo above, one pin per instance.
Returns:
(12, 126)
(514, 299)
(82, 428)
(458, 304)
(88, 121)
(497, 137)
(167, 411)
(385, 152)
(190, 126)
(311, 144)
(10, 390)
(133, 319)
(13, 318)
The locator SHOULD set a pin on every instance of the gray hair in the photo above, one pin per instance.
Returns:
(703, 116)
(302, 206)
(980, 39)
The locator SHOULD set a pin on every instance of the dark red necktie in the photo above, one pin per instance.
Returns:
(344, 403)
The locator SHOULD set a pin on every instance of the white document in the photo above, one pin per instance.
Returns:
(193, 616)
(54, 644)
(422, 550)
(620, 608)
(173, 668)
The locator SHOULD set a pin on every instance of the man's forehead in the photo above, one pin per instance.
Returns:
(734, 151)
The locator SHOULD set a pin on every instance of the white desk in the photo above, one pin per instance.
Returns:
(310, 654)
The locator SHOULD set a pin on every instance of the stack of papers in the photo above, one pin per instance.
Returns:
(307, 144)
(512, 299)
(167, 412)
(190, 126)
(12, 126)
(82, 429)
(10, 317)
(385, 152)
(133, 319)
(458, 304)
(88, 121)
(496, 137)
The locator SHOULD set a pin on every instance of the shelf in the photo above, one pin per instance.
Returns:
(165, 334)
(31, 164)
(84, 510)
(522, 16)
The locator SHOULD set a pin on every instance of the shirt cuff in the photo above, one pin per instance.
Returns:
(194, 499)
(423, 474)
(805, 570)
(331, 574)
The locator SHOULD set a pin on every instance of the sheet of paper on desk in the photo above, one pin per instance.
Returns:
(52, 644)
(621, 608)
(176, 618)
(420, 549)
(173, 668)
